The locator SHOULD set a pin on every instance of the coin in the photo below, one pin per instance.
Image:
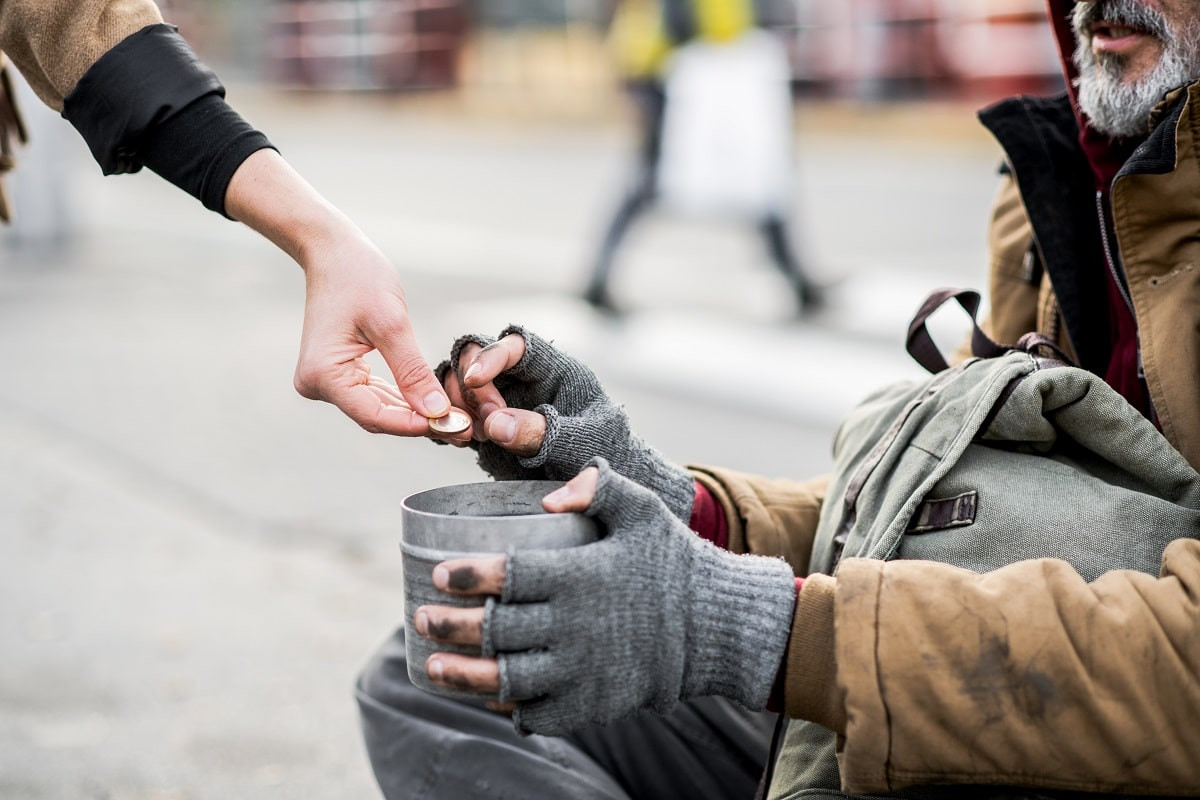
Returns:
(454, 422)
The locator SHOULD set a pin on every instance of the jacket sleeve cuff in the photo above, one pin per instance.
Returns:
(735, 530)
(150, 102)
(811, 691)
(770, 517)
(201, 147)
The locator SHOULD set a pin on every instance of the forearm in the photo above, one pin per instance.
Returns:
(270, 197)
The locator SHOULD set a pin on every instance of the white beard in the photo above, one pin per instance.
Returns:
(1123, 109)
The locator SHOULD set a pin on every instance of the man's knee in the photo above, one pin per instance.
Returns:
(384, 678)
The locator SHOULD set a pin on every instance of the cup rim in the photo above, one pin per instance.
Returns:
(543, 488)
(454, 530)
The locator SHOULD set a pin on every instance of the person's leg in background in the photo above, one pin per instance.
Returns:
(650, 100)
(783, 256)
(424, 746)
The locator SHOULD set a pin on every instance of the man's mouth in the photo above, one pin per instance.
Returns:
(1111, 36)
(1114, 30)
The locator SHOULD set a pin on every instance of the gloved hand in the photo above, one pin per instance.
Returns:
(581, 422)
(645, 617)
(12, 132)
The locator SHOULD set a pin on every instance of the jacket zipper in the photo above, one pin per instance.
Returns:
(1118, 276)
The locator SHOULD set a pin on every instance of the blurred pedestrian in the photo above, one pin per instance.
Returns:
(647, 37)
(138, 95)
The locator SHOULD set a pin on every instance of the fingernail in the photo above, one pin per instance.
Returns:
(474, 369)
(441, 577)
(421, 622)
(435, 669)
(437, 404)
(502, 428)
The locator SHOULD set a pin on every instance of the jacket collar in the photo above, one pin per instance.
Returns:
(1156, 155)
(1040, 137)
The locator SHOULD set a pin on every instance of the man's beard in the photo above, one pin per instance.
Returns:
(1123, 109)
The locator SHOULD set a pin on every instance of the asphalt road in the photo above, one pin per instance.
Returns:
(195, 560)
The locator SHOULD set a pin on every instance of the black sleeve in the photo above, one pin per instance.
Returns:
(150, 102)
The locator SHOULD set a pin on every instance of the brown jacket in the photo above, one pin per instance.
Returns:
(1026, 675)
(54, 43)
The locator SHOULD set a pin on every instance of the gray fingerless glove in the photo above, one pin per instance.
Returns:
(581, 422)
(645, 617)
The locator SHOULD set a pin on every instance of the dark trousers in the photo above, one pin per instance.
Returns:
(424, 746)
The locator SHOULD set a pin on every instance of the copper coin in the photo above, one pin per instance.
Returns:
(454, 422)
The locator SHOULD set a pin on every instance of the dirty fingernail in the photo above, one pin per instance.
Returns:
(474, 369)
(502, 428)
(441, 577)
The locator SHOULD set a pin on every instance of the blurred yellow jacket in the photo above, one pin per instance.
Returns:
(644, 32)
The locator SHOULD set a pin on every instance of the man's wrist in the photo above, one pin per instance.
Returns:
(810, 690)
(741, 616)
(776, 702)
(708, 518)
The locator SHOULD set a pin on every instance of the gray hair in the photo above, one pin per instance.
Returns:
(1123, 109)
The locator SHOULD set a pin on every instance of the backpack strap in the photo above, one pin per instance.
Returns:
(1036, 344)
(920, 344)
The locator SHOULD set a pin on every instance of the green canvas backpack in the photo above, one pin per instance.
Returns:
(1011, 455)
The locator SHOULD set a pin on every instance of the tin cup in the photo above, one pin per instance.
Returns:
(473, 519)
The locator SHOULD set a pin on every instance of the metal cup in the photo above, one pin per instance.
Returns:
(472, 519)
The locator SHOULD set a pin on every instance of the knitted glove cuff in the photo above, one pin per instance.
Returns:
(570, 442)
(461, 342)
(739, 623)
(553, 425)
(551, 370)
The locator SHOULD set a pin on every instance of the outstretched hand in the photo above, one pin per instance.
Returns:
(354, 303)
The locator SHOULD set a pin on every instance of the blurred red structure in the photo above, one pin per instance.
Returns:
(875, 49)
(365, 44)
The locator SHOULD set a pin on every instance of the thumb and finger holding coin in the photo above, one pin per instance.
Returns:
(472, 387)
(478, 366)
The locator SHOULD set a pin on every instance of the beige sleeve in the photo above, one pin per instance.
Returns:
(1025, 675)
(767, 516)
(54, 42)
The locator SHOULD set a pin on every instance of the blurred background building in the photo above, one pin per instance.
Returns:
(869, 50)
